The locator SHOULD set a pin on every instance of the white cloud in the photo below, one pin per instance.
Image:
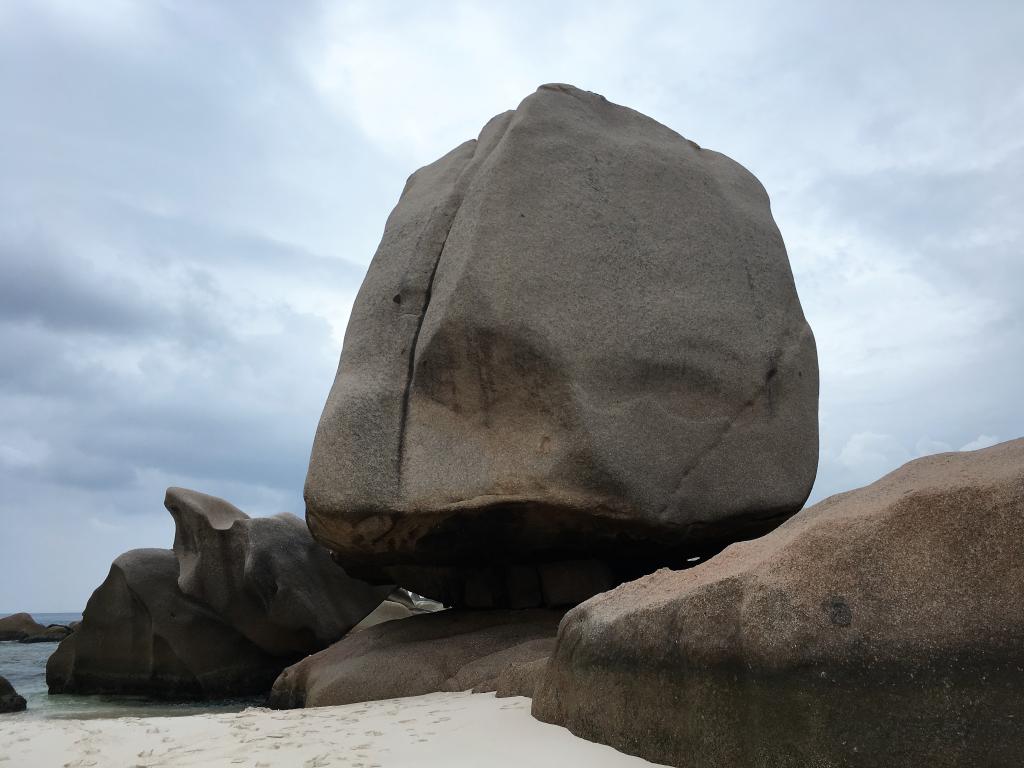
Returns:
(981, 441)
(419, 83)
(870, 450)
(926, 447)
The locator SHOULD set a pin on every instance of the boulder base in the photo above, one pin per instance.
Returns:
(10, 701)
(453, 650)
(579, 339)
(882, 626)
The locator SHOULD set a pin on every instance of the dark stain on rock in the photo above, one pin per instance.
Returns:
(839, 612)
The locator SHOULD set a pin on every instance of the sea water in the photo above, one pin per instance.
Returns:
(24, 666)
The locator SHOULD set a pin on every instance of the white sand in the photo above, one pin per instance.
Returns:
(441, 729)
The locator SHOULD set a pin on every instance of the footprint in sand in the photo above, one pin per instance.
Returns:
(317, 761)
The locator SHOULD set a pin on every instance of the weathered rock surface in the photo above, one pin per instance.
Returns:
(579, 340)
(18, 626)
(520, 678)
(10, 701)
(266, 576)
(451, 650)
(141, 635)
(54, 633)
(883, 626)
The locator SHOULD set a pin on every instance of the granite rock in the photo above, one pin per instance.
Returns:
(579, 341)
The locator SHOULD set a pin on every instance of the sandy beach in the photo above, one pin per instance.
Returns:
(443, 729)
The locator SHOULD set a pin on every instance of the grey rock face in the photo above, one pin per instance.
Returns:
(882, 626)
(451, 650)
(10, 701)
(579, 339)
(265, 576)
(141, 635)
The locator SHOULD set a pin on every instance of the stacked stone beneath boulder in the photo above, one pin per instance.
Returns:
(883, 626)
(578, 355)
(454, 650)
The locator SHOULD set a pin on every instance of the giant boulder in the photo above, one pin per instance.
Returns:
(265, 576)
(881, 627)
(141, 635)
(579, 342)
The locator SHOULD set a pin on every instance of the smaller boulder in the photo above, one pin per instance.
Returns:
(454, 650)
(10, 701)
(140, 635)
(18, 626)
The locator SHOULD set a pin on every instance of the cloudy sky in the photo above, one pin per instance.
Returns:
(190, 193)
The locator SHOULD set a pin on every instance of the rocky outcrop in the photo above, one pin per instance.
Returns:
(18, 626)
(578, 347)
(883, 626)
(266, 577)
(53, 633)
(141, 635)
(450, 650)
(10, 701)
(235, 602)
